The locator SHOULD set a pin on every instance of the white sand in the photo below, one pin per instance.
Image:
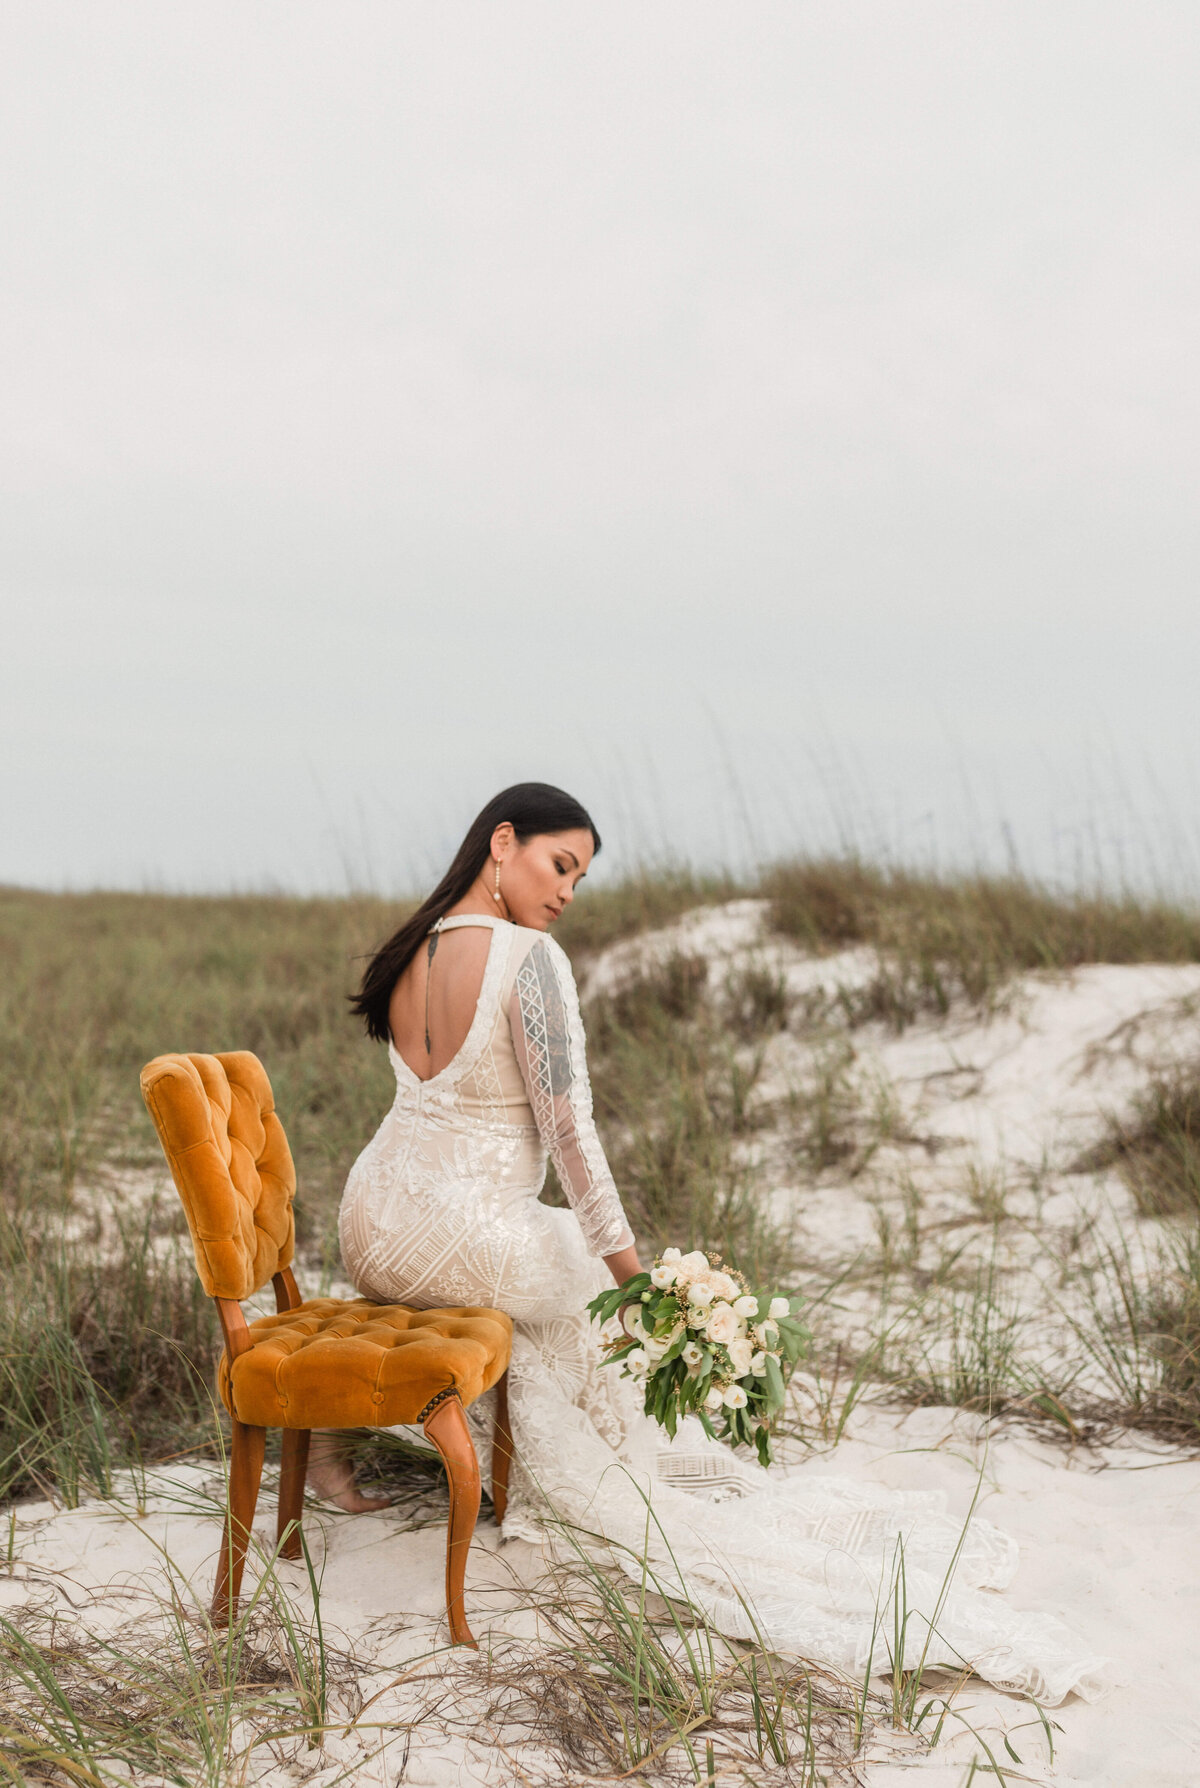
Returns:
(1110, 1542)
(1110, 1537)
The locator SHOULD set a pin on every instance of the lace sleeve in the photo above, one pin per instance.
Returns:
(548, 1036)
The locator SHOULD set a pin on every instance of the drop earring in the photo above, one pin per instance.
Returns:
(496, 893)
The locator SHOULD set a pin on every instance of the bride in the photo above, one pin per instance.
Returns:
(477, 1006)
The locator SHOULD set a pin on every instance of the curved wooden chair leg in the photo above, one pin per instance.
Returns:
(446, 1426)
(292, 1474)
(245, 1475)
(502, 1450)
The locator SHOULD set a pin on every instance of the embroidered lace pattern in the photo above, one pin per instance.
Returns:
(442, 1207)
(547, 1032)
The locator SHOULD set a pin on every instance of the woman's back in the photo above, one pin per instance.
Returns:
(447, 1190)
(434, 1002)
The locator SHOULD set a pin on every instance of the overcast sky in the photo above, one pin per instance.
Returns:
(775, 422)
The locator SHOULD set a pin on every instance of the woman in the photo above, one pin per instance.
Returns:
(478, 1009)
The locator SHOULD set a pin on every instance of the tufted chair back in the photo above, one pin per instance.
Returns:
(215, 1117)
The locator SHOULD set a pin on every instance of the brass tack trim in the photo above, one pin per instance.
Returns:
(450, 1391)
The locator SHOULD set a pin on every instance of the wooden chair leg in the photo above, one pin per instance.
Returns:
(502, 1450)
(292, 1474)
(245, 1474)
(446, 1427)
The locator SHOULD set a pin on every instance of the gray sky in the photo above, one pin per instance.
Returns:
(777, 423)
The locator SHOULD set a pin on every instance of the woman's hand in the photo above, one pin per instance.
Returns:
(623, 1264)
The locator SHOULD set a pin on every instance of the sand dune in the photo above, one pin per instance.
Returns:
(981, 1109)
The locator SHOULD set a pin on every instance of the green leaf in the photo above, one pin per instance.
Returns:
(774, 1385)
(606, 1304)
(793, 1338)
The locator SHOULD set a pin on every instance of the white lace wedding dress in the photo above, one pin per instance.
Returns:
(442, 1208)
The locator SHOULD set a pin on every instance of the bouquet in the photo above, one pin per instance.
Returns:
(702, 1343)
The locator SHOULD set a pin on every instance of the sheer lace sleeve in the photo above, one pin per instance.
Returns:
(548, 1036)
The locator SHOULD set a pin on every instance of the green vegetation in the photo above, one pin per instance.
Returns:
(625, 1681)
(105, 1335)
(93, 985)
(620, 1678)
(107, 1339)
(1157, 1149)
(604, 915)
(673, 1097)
(107, 1344)
(168, 1698)
(104, 1357)
(942, 939)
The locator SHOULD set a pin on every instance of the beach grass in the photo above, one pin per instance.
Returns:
(618, 1677)
(168, 1697)
(107, 1339)
(947, 938)
(1156, 1146)
(107, 1344)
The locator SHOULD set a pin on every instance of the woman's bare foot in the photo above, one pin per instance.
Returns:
(331, 1477)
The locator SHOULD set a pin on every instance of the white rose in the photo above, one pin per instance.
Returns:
(697, 1316)
(741, 1352)
(690, 1266)
(656, 1348)
(670, 1257)
(746, 1306)
(780, 1307)
(631, 1316)
(758, 1364)
(766, 1334)
(690, 1354)
(735, 1397)
(612, 1331)
(722, 1326)
(638, 1361)
(663, 1277)
(724, 1286)
(701, 1294)
(714, 1400)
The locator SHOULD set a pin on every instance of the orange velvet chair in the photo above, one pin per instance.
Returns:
(321, 1362)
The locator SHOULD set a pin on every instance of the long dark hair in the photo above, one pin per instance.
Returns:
(529, 807)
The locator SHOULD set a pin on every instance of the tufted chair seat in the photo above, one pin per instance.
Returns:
(335, 1364)
(327, 1363)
